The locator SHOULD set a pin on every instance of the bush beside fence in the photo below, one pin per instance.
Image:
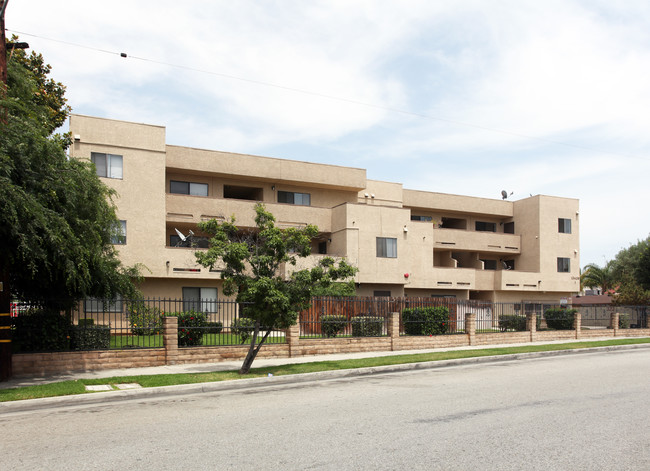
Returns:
(139, 324)
(26, 364)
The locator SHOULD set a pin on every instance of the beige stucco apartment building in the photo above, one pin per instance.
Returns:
(404, 242)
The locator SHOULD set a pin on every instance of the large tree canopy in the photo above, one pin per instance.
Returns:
(57, 220)
(252, 263)
(628, 274)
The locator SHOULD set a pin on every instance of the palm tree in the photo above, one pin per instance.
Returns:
(595, 276)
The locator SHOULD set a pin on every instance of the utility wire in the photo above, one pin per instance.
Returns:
(336, 98)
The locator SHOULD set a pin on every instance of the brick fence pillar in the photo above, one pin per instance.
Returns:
(577, 324)
(470, 327)
(170, 339)
(531, 325)
(293, 338)
(613, 322)
(393, 329)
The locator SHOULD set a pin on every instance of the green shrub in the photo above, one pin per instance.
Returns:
(244, 327)
(512, 322)
(623, 321)
(191, 327)
(214, 327)
(144, 320)
(90, 337)
(41, 330)
(332, 325)
(367, 326)
(432, 320)
(559, 318)
(88, 321)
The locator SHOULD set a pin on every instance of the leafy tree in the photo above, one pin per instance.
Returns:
(627, 260)
(336, 290)
(253, 263)
(596, 276)
(630, 293)
(642, 272)
(56, 217)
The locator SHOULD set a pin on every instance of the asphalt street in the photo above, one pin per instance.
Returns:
(584, 411)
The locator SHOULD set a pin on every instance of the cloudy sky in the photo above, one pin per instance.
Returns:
(467, 97)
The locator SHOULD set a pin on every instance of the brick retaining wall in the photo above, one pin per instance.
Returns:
(42, 364)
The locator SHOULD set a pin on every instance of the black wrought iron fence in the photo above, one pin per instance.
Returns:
(595, 316)
(632, 317)
(96, 324)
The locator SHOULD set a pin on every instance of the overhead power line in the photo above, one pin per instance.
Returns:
(332, 97)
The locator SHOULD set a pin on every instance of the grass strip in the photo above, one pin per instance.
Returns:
(64, 388)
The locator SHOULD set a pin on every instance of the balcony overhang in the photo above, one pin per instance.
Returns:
(255, 168)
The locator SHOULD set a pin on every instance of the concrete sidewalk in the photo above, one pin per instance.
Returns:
(235, 365)
(136, 393)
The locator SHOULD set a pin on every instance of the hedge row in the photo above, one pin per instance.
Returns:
(560, 319)
(425, 320)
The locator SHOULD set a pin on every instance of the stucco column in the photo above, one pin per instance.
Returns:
(393, 329)
(293, 338)
(577, 324)
(170, 339)
(613, 322)
(470, 327)
(531, 325)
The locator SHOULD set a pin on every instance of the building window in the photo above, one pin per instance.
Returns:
(107, 165)
(563, 265)
(386, 247)
(200, 299)
(119, 238)
(103, 305)
(188, 188)
(509, 227)
(381, 294)
(290, 197)
(421, 218)
(486, 226)
(564, 226)
(322, 248)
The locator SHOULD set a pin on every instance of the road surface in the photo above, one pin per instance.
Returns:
(587, 412)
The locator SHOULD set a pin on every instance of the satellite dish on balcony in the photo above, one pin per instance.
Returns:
(504, 194)
(180, 234)
(185, 241)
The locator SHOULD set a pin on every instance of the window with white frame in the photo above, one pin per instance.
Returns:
(107, 165)
(188, 188)
(386, 247)
(200, 299)
(291, 197)
(119, 238)
(564, 226)
(563, 265)
(103, 305)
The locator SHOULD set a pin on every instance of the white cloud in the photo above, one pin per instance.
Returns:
(564, 71)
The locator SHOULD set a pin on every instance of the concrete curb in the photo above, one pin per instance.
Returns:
(266, 382)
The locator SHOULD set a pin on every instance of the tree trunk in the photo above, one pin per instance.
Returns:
(252, 350)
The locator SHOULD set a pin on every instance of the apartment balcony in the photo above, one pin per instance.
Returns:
(190, 210)
(490, 280)
(265, 168)
(442, 278)
(177, 262)
(513, 280)
(483, 242)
